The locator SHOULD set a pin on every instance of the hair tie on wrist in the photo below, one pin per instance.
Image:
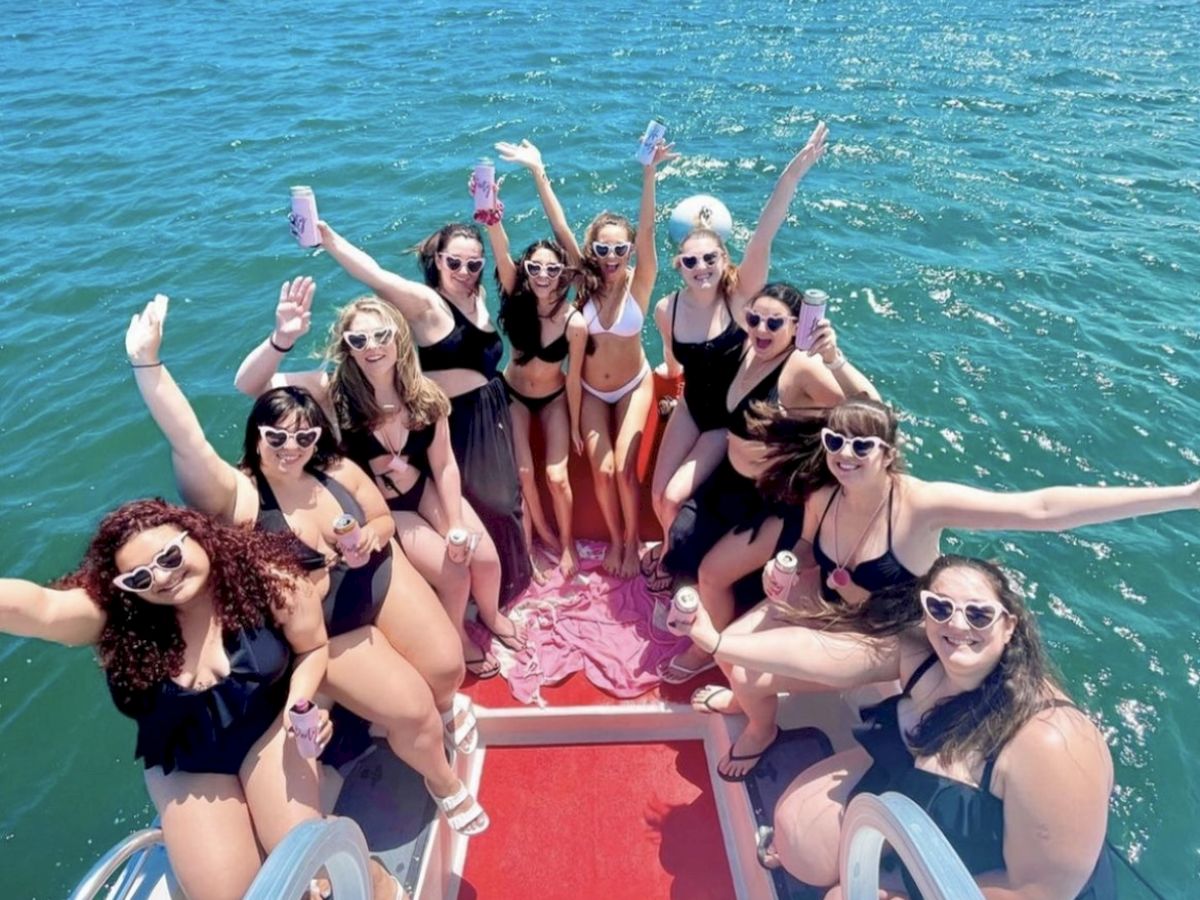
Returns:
(717, 645)
(153, 365)
(837, 363)
(271, 341)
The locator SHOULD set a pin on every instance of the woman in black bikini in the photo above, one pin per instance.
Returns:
(191, 620)
(874, 530)
(702, 336)
(461, 352)
(982, 737)
(534, 311)
(727, 529)
(394, 658)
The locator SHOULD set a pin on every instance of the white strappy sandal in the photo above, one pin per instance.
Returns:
(463, 737)
(471, 821)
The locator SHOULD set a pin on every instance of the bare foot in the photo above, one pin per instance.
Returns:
(629, 559)
(612, 559)
(568, 563)
(715, 698)
(540, 573)
(548, 538)
(748, 749)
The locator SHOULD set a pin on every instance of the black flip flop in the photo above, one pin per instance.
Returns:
(745, 757)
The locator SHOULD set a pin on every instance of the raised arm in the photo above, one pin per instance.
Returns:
(414, 299)
(851, 381)
(205, 481)
(945, 505)
(293, 317)
(527, 155)
(577, 336)
(756, 262)
(646, 271)
(506, 269)
(68, 617)
(446, 477)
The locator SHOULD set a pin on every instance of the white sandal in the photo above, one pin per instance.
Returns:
(471, 821)
(463, 737)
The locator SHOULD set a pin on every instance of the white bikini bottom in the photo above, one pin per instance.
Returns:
(627, 388)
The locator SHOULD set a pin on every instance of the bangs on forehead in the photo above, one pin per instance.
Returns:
(862, 420)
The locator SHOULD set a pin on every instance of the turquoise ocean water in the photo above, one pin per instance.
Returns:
(1007, 220)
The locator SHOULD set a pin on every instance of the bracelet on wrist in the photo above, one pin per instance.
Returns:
(717, 645)
(838, 362)
(275, 346)
(153, 365)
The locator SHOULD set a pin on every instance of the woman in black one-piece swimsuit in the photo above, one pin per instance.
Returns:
(982, 737)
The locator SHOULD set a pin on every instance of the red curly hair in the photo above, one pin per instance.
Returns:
(141, 644)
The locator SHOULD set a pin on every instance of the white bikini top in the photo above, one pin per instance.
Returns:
(629, 319)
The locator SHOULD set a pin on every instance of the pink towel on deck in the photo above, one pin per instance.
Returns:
(596, 623)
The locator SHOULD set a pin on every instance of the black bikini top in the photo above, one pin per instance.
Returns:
(766, 390)
(362, 446)
(714, 351)
(884, 571)
(271, 518)
(467, 346)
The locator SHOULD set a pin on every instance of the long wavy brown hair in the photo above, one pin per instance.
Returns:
(729, 276)
(352, 395)
(141, 644)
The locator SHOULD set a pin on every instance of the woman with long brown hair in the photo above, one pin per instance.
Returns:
(206, 634)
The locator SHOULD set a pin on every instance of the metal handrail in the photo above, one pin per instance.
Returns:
(335, 843)
(112, 861)
(931, 861)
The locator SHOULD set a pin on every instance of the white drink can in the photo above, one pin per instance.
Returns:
(458, 545)
(303, 218)
(654, 133)
(783, 573)
(685, 603)
(485, 186)
(812, 311)
(306, 723)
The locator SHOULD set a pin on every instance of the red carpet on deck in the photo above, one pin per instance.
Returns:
(609, 822)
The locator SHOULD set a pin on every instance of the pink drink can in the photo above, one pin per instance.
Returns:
(306, 723)
(812, 311)
(654, 133)
(303, 220)
(783, 573)
(349, 535)
(458, 545)
(685, 602)
(485, 186)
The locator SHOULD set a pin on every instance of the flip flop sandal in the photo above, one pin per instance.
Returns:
(471, 821)
(511, 641)
(463, 737)
(675, 672)
(649, 561)
(481, 669)
(704, 697)
(746, 757)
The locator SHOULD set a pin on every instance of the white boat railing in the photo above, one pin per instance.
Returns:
(931, 861)
(337, 844)
(112, 861)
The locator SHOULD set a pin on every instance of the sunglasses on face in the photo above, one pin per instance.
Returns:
(602, 249)
(773, 323)
(454, 263)
(862, 447)
(277, 438)
(361, 340)
(534, 269)
(979, 614)
(709, 259)
(141, 579)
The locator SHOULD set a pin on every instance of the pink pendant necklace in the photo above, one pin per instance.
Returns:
(397, 463)
(840, 576)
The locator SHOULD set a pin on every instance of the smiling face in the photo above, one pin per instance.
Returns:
(469, 253)
(375, 357)
(612, 267)
(708, 262)
(963, 651)
(290, 459)
(543, 285)
(768, 312)
(153, 547)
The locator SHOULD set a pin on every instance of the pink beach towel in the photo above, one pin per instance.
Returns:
(595, 623)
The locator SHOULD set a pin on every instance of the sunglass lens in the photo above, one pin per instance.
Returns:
(862, 447)
(752, 319)
(553, 270)
(939, 610)
(138, 580)
(979, 616)
(356, 341)
(689, 262)
(171, 558)
(710, 259)
(453, 263)
(774, 323)
(620, 249)
(275, 439)
(600, 249)
(305, 439)
(833, 442)
(474, 266)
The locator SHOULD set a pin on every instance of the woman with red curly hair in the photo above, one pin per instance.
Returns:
(206, 634)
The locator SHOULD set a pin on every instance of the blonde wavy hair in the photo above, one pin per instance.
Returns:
(354, 398)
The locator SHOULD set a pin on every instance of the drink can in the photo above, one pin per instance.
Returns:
(458, 545)
(306, 722)
(812, 311)
(685, 603)
(485, 186)
(783, 573)
(303, 218)
(654, 133)
(348, 536)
